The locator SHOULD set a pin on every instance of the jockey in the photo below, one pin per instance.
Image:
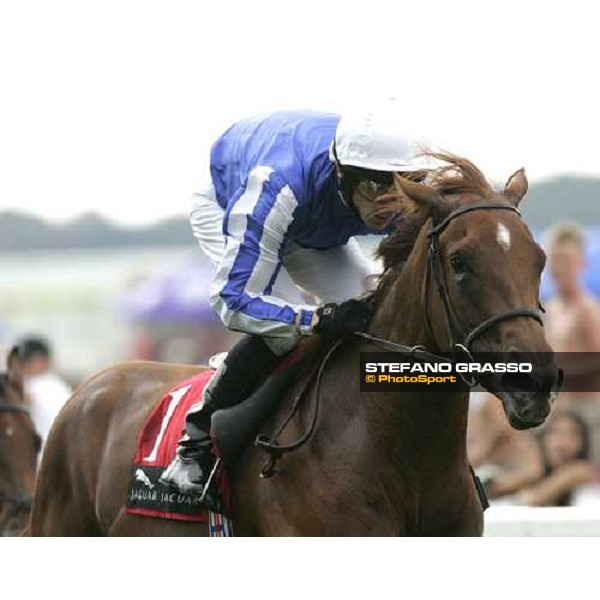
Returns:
(287, 194)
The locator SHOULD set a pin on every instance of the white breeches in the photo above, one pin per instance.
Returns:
(332, 275)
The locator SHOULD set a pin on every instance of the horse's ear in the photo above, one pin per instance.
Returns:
(516, 187)
(14, 368)
(421, 197)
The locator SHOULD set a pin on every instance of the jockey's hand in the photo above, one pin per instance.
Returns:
(339, 320)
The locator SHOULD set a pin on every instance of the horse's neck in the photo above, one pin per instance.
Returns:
(425, 422)
(389, 448)
(400, 316)
(418, 419)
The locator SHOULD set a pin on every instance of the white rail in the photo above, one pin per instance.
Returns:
(542, 522)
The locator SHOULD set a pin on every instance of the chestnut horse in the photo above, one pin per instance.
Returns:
(378, 463)
(19, 446)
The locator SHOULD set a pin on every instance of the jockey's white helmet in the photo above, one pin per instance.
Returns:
(380, 138)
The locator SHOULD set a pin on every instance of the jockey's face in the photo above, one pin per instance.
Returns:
(375, 203)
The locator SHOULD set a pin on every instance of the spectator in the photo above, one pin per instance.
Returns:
(492, 444)
(573, 326)
(573, 315)
(46, 391)
(564, 449)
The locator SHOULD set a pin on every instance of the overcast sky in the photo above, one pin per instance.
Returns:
(112, 105)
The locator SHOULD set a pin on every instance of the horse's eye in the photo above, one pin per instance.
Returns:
(458, 264)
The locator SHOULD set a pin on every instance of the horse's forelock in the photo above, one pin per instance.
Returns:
(456, 176)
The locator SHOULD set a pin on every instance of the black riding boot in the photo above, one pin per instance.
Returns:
(247, 365)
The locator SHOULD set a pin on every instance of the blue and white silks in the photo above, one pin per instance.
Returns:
(276, 183)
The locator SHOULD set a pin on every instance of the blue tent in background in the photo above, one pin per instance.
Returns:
(179, 294)
(592, 271)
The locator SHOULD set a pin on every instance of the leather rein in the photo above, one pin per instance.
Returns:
(435, 271)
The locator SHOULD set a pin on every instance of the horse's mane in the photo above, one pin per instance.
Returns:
(456, 175)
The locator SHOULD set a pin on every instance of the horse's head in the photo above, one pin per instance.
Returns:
(19, 447)
(480, 268)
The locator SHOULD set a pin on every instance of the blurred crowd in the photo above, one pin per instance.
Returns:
(559, 463)
(45, 390)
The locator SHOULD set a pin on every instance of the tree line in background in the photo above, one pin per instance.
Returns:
(573, 197)
(24, 231)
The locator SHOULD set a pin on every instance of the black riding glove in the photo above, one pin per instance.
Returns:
(339, 320)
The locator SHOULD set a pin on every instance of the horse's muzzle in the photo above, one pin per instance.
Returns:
(527, 398)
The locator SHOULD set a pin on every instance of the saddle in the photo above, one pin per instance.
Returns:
(234, 429)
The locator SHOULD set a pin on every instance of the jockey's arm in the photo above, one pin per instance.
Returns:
(256, 227)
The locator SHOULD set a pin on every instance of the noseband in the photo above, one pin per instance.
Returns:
(435, 270)
(24, 501)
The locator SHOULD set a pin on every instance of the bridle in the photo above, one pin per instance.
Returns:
(24, 501)
(460, 343)
(435, 270)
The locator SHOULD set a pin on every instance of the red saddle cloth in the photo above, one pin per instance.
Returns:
(156, 449)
